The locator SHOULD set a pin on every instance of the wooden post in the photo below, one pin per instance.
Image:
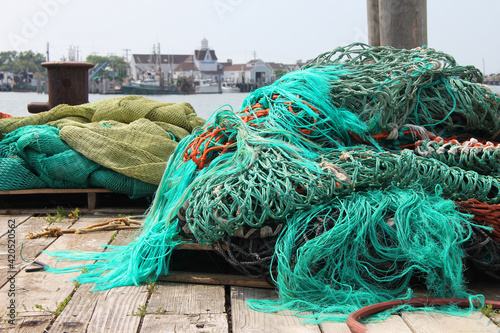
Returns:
(373, 22)
(403, 23)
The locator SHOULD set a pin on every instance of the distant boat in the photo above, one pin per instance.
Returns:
(226, 88)
(145, 89)
(150, 85)
(207, 87)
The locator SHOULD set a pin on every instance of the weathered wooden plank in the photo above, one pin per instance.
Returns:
(27, 324)
(420, 322)
(5, 225)
(193, 246)
(182, 298)
(245, 319)
(393, 324)
(56, 191)
(46, 289)
(80, 309)
(115, 308)
(200, 323)
(495, 319)
(76, 315)
(31, 248)
(197, 247)
(217, 279)
(334, 327)
(104, 210)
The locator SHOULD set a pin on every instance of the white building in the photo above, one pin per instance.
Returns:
(255, 71)
(142, 64)
(206, 62)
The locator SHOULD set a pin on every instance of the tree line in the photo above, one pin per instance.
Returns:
(31, 62)
(21, 62)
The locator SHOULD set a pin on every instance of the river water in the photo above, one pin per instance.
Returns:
(15, 103)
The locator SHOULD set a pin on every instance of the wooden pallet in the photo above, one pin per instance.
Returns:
(91, 194)
(211, 278)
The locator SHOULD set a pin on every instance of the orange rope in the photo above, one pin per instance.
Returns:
(5, 115)
(215, 138)
(485, 214)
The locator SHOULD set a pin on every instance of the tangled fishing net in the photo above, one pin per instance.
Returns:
(325, 184)
(121, 144)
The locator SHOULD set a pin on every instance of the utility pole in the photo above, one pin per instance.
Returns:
(401, 23)
(126, 53)
(112, 58)
(48, 52)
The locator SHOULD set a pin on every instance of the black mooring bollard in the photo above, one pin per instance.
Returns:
(68, 84)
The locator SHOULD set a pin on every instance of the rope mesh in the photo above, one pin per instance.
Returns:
(316, 165)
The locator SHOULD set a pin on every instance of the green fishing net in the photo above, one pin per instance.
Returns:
(36, 157)
(133, 136)
(320, 165)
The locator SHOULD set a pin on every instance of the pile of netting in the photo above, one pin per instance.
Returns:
(324, 184)
(121, 144)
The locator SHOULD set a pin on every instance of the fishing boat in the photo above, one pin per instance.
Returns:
(151, 84)
(207, 87)
(227, 88)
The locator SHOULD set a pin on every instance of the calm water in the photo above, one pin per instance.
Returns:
(205, 104)
(15, 103)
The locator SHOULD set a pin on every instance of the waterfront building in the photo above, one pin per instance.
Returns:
(203, 65)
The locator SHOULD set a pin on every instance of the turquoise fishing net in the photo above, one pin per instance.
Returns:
(36, 157)
(317, 158)
(373, 246)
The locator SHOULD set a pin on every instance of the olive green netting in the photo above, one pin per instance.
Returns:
(181, 116)
(133, 136)
(323, 145)
(36, 157)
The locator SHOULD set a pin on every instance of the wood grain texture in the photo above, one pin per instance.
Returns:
(77, 314)
(80, 310)
(48, 289)
(218, 279)
(4, 222)
(27, 324)
(423, 322)
(182, 298)
(115, 308)
(393, 324)
(201, 323)
(246, 320)
(31, 248)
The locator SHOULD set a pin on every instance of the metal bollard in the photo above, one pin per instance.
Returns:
(68, 84)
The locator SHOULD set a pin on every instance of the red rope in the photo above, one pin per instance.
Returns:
(356, 327)
(216, 139)
(484, 214)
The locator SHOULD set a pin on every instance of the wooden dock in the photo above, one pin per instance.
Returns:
(200, 303)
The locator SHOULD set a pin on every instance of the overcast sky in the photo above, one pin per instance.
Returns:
(272, 30)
